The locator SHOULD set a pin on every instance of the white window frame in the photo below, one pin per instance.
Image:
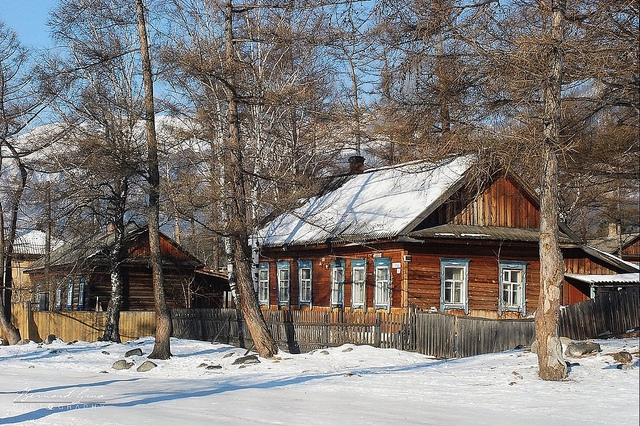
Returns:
(359, 287)
(58, 301)
(284, 283)
(69, 301)
(263, 283)
(337, 283)
(305, 284)
(507, 268)
(82, 283)
(382, 292)
(453, 284)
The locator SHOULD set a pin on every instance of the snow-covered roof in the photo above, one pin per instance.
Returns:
(621, 279)
(33, 243)
(613, 259)
(376, 204)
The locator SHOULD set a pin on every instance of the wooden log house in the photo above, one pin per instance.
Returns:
(79, 276)
(418, 234)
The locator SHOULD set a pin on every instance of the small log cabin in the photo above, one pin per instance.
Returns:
(418, 234)
(79, 277)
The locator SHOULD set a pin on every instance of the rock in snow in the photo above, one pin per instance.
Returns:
(146, 366)
(580, 349)
(133, 352)
(623, 357)
(122, 364)
(249, 359)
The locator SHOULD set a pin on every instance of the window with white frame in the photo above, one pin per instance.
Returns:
(69, 304)
(358, 284)
(337, 283)
(82, 282)
(454, 279)
(59, 291)
(305, 279)
(382, 295)
(284, 283)
(512, 287)
(263, 283)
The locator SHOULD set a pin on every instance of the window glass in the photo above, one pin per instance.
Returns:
(512, 287)
(283, 283)
(263, 283)
(69, 303)
(454, 282)
(382, 296)
(81, 288)
(305, 278)
(358, 274)
(337, 283)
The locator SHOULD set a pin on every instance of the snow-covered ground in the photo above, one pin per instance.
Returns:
(75, 384)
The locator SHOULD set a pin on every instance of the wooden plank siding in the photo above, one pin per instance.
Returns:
(632, 251)
(321, 275)
(484, 274)
(418, 282)
(503, 204)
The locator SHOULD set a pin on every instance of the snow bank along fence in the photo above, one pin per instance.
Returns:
(436, 334)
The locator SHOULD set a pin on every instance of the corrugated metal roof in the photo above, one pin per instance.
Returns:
(617, 279)
(375, 204)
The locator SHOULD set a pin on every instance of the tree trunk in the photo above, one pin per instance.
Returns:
(112, 326)
(550, 360)
(161, 348)
(6, 252)
(236, 205)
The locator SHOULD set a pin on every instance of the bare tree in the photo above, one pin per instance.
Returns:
(161, 348)
(97, 98)
(551, 362)
(18, 107)
(255, 80)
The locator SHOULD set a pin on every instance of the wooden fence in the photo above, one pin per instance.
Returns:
(610, 313)
(440, 335)
(78, 325)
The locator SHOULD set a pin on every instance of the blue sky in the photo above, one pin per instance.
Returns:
(29, 19)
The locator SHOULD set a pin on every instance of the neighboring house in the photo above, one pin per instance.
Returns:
(28, 247)
(417, 234)
(623, 245)
(78, 276)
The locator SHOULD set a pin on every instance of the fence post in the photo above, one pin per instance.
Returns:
(377, 331)
(456, 337)
(325, 336)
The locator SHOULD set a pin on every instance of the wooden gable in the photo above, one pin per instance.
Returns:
(631, 251)
(139, 248)
(502, 203)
